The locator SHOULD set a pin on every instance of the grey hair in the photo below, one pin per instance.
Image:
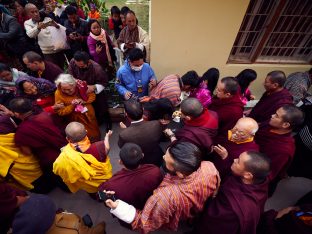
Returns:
(29, 6)
(65, 79)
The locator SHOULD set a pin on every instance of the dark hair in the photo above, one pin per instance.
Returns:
(135, 54)
(115, 10)
(258, 165)
(278, 77)
(71, 9)
(293, 115)
(133, 109)
(130, 12)
(21, 2)
(82, 56)
(124, 10)
(91, 21)
(33, 57)
(230, 85)
(190, 78)
(21, 105)
(4, 67)
(131, 155)
(159, 109)
(212, 76)
(245, 77)
(186, 156)
(192, 107)
(310, 72)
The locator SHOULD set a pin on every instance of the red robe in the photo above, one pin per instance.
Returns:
(229, 110)
(234, 150)
(134, 186)
(98, 150)
(43, 137)
(51, 72)
(235, 210)
(8, 203)
(200, 131)
(279, 147)
(268, 105)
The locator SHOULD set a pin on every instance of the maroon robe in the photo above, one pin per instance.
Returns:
(6, 125)
(51, 72)
(280, 148)
(134, 186)
(93, 74)
(268, 105)
(8, 205)
(200, 131)
(229, 110)
(235, 210)
(44, 138)
(234, 150)
(98, 150)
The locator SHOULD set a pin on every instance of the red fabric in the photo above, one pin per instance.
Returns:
(80, 13)
(134, 186)
(51, 72)
(229, 110)
(110, 24)
(46, 103)
(207, 119)
(8, 203)
(200, 135)
(97, 149)
(268, 105)
(235, 210)
(280, 148)
(45, 139)
(234, 150)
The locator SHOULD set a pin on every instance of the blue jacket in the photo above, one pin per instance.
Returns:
(127, 79)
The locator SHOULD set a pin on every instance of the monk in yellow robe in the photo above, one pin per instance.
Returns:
(83, 165)
(20, 169)
(77, 104)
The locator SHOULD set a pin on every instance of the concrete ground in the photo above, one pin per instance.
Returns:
(287, 193)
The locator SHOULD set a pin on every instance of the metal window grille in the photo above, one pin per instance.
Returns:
(275, 31)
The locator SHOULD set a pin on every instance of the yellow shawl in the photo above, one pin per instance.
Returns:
(25, 168)
(81, 171)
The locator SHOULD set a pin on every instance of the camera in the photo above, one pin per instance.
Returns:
(102, 196)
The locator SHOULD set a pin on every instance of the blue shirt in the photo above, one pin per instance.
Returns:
(129, 80)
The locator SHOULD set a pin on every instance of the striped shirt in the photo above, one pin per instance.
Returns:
(298, 84)
(177, 199)
(169, 87)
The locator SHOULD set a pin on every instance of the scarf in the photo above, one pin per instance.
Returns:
(102, 38)
(82, 145)
(45, 88)
(241, 142)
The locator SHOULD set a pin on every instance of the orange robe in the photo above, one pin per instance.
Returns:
(88, 118)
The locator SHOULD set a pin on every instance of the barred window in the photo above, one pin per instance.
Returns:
(275, 31)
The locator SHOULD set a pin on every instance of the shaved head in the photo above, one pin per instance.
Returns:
(192, 107)
(29, 6)
(249, 124)
(75, 132)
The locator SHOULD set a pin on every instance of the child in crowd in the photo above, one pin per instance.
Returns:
(93, 13)
(114, 22)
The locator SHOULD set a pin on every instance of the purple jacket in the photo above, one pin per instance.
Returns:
(202, 94)
(100, 58)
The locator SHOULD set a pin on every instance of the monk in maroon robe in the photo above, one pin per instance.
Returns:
(200, 125)
(274, 97)
(276, 141)
(240, 139)
(228, 105)
(83, 68)
(136, 182)
(240, 200)
(10, 199)
(40, 68)
(37, 133)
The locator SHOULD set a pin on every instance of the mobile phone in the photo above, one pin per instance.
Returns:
(99, 43)
(102, 196)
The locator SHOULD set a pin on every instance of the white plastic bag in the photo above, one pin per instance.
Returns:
(58, 37)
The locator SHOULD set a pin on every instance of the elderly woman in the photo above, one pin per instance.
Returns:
(39, 90)
(77, 104)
